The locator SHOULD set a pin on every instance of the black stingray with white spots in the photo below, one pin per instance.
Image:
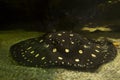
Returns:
(63, 49)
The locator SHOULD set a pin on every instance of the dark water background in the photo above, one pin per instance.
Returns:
(49, 15)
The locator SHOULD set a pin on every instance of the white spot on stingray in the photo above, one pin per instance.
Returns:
(36, 55)
(25, 51)
(20, 50)
(75, 65)
(59, 34)
(105, 56)
(67, 50)
(85, 46)
(103, 61)
(54, 50)
(80, 51)
(91, 62)
(87, 63)
(63, 40)
(63, 32)
(77, 60)
(45, 62)
(78, 64)
(60, 58)
(89, 42)
(98, 46)
(93, 55)
(32, 52)
(88, 59)
(42, 58)
(41, 40)
(53, 41)
(71, 35)
(72, 42)
(28, 60)
(46, 45)
(23, 55)
(53, 63)
(68, 63)
(50, 36)
(50, 61)
(29, 48)
(25, 58)
(56, 61)
(62, 62)
(97, 50)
